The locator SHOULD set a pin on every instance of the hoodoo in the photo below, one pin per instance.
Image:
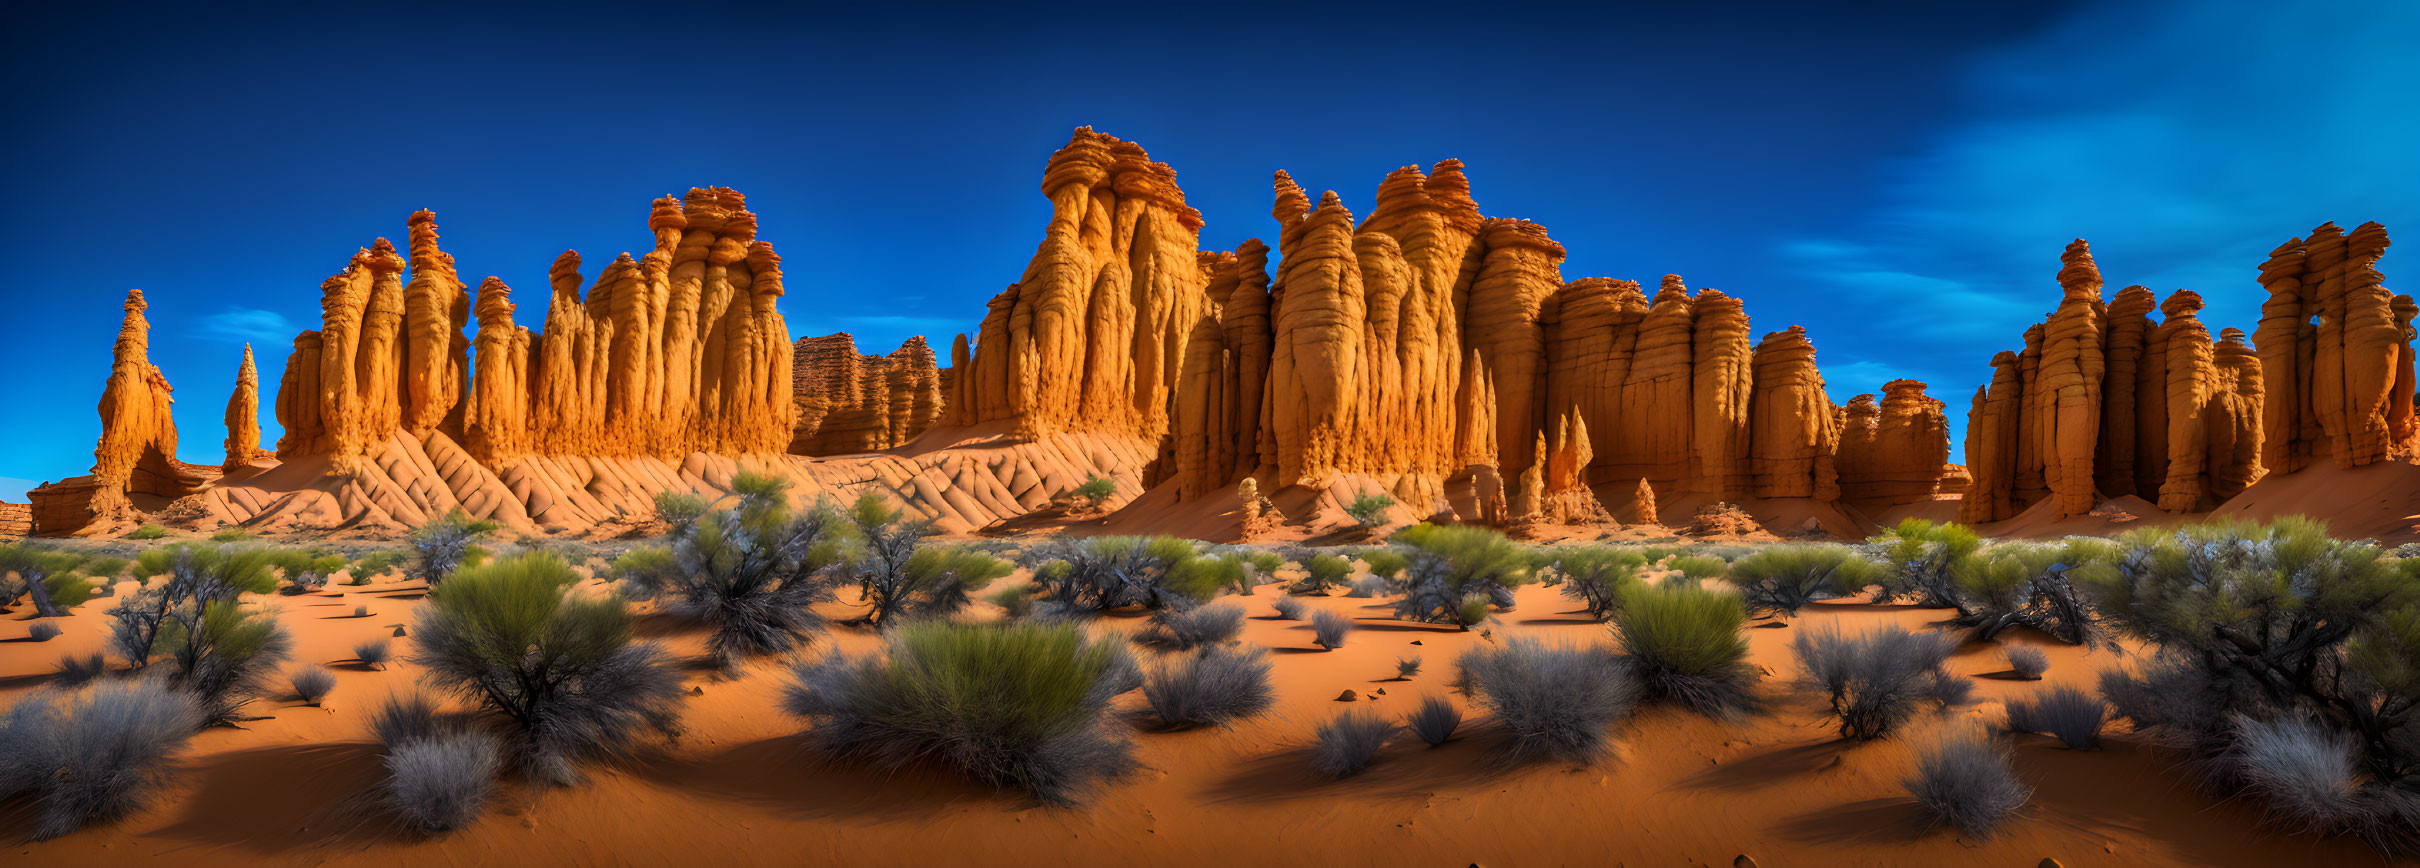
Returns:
(1426, 349)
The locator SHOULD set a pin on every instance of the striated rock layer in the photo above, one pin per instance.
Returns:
(851, 403)
(136, 455)
(2104, 402)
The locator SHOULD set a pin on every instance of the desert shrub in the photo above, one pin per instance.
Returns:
(1368, 586)
(560, 671)
(902, 576)
(2308, 776)
(1963, 779)
(1922, 558)
(106, 567)
(2072, 716)
(1684, 644)
(1321, 573)
(1185, 629)
(2026, 661)
(752, 573)
(408, 717)
(1385, 562)
(1345, 744)
(1023, 705)
(188, 612)
(1782, 579)
(372, 565)
(312, 683)
(1370, 509)
(147, 532)
(1328, 629)
(1288, 608)
(1879, 680)
(48, 575)
(1435, 720)
(2273, 623)
(1095, 491)
(441, 781)
(74, 670)
(1111, 572)
(2028, 585)
(93, 755)
(1694, 569)
(373, 652)
(232, 534)
(1596, 575)
(304, 572)
(1407, 667)
(1556, 701)
(443, 545)
(1211, 686)
(42, 631)
(679, 509)
(1016, 602)
(1452, 564)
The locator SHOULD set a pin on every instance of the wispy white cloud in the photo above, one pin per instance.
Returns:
(247, 324)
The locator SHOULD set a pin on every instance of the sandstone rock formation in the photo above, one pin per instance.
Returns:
(1094, 335)
(136, 454)
(16, 520)
(2335, 350)
(1793, 431)
(1894, 452)
(850, 403)
(1642, 506)
(243, 416)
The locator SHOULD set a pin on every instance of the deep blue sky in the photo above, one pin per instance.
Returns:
(1897, 178)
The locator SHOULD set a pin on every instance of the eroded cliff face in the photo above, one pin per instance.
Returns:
(1896, 451)
(243, 416)
(850, 403)
(1093, 337)
(2335, 351)
(136, 454)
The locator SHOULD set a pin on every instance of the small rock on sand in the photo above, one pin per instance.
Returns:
(1347, 696)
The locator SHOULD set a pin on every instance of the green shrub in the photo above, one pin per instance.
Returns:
(1693, 569)
(1018, 705)
(1451, 565)
(380, 562)
(2028, 585)
(148, 532)
(444, 545)
(904, 577)
(304, 571)
(752, 573)
(1095, 490)
(1386, 563)
(1596, 575)
(1877, 681)
(559, 671)
(48, 575)
(1684, 643)
(188, 611)
(1923, 557)
(1111, 572)
(1324, 572)
(679, 509)
(1556, 701)
(1782, 579)
(1370, 509)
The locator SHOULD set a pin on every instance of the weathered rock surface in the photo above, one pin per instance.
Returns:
(137, 450)
(1896, 451)
(2335, 351)
(243, 416)
(850, 403)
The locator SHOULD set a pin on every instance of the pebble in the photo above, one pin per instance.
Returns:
(1347, 696)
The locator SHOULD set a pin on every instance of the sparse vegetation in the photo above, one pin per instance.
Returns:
(902, 576)
(444, 545)
(1963, 779)
(93, 755)
(232, 534)
(751, 573)
(1094, 492)
(2308, 776)
(47, 575)
(1435, 720)
(1186, 629)
(372, 653)
(1557, 702)
(2026, 661)
(1288, 608)
(1452, 565)
(2024, 584)
(312, 683)
(559, 671)
(679, 510)
(1321, 573)
(1344, 745)
(1407, 667)
(147, 532)
(1596, 576)
(1024, 706)
(304, 571)
(380, 562)
(42, 631)
(76, 670)
(1783, 579)
(2072, 716)
(1111, 572)
(1923, 558)
(1370, 509)
(1877, 681)
(1694, 569)
(1211, 686)
(442, 782)
(2279, 625)
(1683, 643)
(1328, 629)
(217, 649)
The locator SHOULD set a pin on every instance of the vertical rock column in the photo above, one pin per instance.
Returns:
(243, 415)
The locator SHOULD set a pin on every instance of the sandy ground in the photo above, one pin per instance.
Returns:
(739, 789)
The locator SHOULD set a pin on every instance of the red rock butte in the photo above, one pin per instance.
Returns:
(1424, 350)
